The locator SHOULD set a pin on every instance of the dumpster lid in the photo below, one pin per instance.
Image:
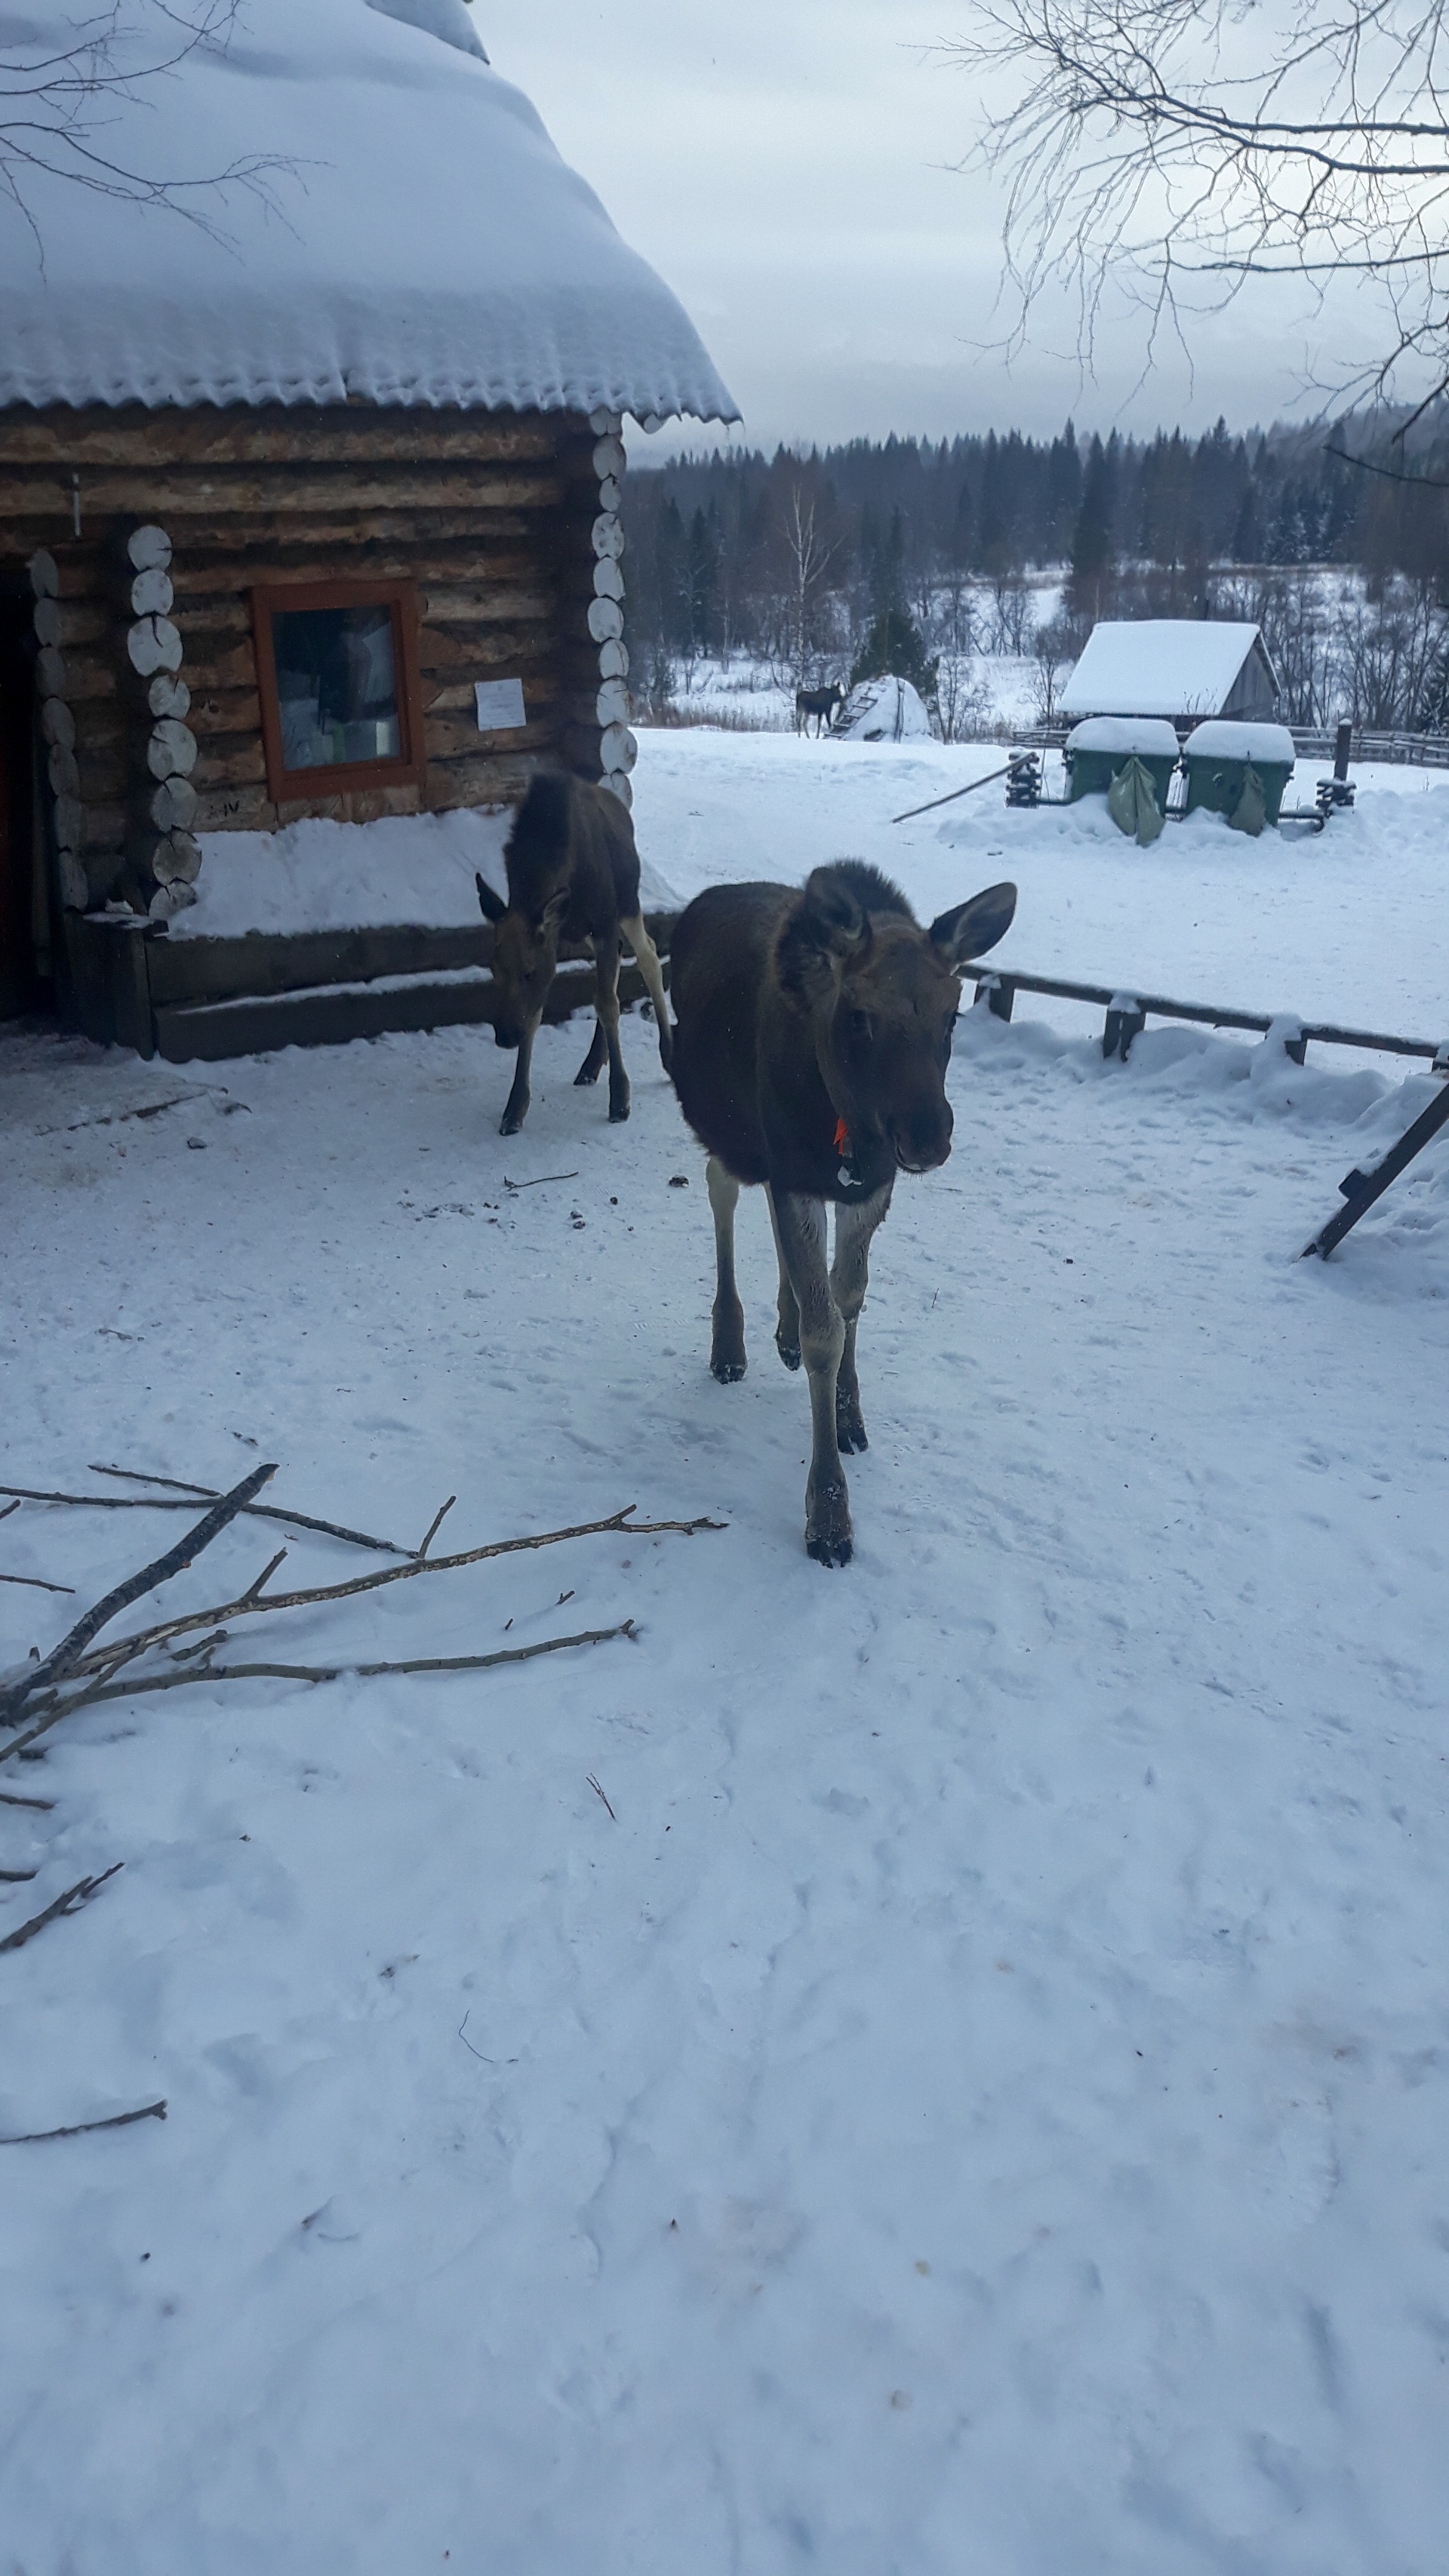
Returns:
(1151, 736)
(1224, 738)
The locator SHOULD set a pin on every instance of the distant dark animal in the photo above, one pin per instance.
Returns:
(812, 1036)
(819, 703)
(573, 874)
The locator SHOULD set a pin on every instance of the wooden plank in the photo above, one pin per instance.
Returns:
(213, 586)
(227, 760)
(261, 964)
(211, 1033)
(169, 492)
(1360, 1189)
(270, 433)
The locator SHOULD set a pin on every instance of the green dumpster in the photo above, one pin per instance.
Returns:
(1239, 770)
(1100, 747)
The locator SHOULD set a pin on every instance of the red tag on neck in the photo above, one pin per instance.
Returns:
(842, 1137)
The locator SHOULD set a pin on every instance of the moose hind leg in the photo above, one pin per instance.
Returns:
(593, 1063)
(801, 1222)
(727, 1320)
(649, 967)
(854, 1230)
(787, 1312)
(607, 1006)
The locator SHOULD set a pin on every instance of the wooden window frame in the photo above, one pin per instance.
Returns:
(336, 778)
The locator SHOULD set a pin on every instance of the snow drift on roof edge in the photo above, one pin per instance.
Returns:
(412, 237)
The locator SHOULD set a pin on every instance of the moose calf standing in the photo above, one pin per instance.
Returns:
(812, 1037)
(573, 874)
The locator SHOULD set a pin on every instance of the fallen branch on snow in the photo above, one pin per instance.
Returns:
(63, 1659)
(71, 1903)
(86, 2128)
(78, 1672)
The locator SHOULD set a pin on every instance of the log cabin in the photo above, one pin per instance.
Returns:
(310, 458)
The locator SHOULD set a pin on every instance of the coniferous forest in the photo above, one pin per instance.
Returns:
(923, 558)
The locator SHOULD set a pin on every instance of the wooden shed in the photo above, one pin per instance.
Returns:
(1179, 667)
(309, 496)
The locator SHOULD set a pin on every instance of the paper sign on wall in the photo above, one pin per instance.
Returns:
(500, 705)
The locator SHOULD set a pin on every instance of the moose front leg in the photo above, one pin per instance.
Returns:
(800, 1233)
(854, 1229)
(787, 1313)
(607, 1006)
(516, 1108)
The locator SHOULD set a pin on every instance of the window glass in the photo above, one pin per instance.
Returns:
(336, 685)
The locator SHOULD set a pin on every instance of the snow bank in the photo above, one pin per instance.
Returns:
(1151, 737)
(887, 710)
(1225, 739)
(407, 233)
(319, 875)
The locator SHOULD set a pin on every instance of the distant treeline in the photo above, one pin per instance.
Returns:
(908, 553)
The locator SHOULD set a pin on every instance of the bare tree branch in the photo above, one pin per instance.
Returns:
(1152, 145)
(64, 1658)
(58, 102)
(71, 1903)
(86, 2128)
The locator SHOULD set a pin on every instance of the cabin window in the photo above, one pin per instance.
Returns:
(337, 672)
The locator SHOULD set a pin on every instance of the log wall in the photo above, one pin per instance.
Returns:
(506, 522)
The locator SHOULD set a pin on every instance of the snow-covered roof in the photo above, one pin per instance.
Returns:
(1225, 738)
(410, 236)
(1158, 666)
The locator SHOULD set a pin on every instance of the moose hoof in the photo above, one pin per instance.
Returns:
(828, 1536)
(510, 1122)
(830, 1551)
(584, 1080)
(789, 1352)
(728, 1372)
(850, 1432)
(618, 1116)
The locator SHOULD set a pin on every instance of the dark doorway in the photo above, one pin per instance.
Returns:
(24, 903)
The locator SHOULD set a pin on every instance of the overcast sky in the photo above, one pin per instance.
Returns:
(785, 164)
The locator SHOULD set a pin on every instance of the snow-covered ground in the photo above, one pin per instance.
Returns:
(976, 2105)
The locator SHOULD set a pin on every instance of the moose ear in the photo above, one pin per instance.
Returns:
(551, 917)
(971, 928)
(491, 905)
(831, 916)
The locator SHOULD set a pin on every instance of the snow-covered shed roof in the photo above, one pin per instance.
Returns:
(400, 227)
(1162, 666)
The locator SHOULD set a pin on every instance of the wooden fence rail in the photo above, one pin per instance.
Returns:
(1128, 1010)
(1310, 742)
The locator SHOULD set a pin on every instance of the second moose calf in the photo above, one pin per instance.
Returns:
(573, 874)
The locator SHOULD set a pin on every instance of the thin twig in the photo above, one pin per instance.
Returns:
(617, 1523)
(538, 1184)
(71, 1903)
(436, 1523)
(340, 1671)
(63, 1658)
(86, 2128)
(199, 1494)
(33, 1582)
(598, 1793)
(8, 1798)
(9, 1508)
(17, 1877)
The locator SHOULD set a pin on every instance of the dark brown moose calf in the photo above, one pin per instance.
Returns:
(812, 1036)
(573, 874)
